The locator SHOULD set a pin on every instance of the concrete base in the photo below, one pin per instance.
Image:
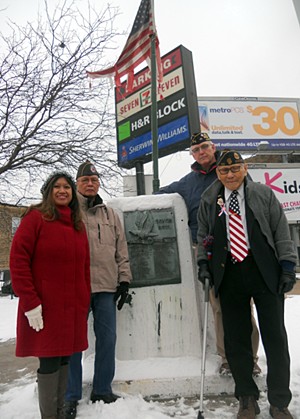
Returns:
(166, 378)
(181, 386)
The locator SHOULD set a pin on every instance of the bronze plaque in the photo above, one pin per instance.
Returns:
(152, 246)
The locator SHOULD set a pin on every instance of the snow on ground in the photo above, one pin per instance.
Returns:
(8, 310)
(20, 399)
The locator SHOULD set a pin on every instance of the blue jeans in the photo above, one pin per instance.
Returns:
(104, 312)
(74, 387)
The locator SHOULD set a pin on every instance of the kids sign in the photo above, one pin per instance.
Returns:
(285, 184)
(243, 123)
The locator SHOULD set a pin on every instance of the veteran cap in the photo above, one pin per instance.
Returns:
(86, 169)
(229, 157)
(199, 138)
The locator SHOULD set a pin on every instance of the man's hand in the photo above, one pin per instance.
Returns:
(122, 293)
(35, 318)
(287, 281)
(204, 273)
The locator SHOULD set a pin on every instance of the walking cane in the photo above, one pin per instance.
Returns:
(204, 336)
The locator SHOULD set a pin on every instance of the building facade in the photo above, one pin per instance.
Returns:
(10, 216)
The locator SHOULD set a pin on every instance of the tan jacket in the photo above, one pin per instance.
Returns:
(108, 246)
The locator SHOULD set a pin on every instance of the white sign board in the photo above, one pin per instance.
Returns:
(285, 182)
(243, 123)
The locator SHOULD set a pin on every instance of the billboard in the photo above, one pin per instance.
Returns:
(246, 123)
(284, 181)
(177, 111)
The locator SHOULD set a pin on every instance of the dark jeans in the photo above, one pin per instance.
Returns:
(104, 312)
(241, 282)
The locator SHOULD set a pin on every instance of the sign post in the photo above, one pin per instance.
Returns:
(154, 128)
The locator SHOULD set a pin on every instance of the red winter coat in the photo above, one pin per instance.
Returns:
(50, 265)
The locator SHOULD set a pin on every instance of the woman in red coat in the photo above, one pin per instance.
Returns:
(50, 270)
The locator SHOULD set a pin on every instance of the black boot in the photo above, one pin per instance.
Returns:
(106, 398)
(71, 409)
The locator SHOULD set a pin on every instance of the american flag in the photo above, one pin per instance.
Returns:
(137, 48)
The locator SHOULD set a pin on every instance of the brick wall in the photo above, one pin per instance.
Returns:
(7, 213)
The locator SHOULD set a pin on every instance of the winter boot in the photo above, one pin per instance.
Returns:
(248, 408)
(47, 387)
(280, 413)
(61, 390)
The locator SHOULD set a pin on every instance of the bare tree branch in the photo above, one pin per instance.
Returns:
(49, 118)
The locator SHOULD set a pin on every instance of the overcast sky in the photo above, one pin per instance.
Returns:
(240, 47)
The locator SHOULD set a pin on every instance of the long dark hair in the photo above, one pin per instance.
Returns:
(47, 206)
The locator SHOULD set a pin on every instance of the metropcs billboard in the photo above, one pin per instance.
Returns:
(177, 111)
(244, 123)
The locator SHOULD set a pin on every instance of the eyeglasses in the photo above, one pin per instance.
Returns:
(86, 180)
(233, 169)
(202, 147)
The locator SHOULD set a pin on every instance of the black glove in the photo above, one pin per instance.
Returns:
(287, 281)
(122, 293)
(204, 273)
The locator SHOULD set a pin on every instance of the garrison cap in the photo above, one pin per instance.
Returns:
(229, 157)
(86, 169)
(199, 138)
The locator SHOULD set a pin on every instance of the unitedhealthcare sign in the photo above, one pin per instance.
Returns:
(177, 112)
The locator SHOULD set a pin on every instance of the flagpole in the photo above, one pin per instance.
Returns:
(141, 45)
(154, 125)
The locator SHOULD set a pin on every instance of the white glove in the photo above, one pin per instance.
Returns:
(35, 318)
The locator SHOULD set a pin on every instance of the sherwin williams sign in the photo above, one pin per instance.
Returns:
(243, 123)
(177, 112)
